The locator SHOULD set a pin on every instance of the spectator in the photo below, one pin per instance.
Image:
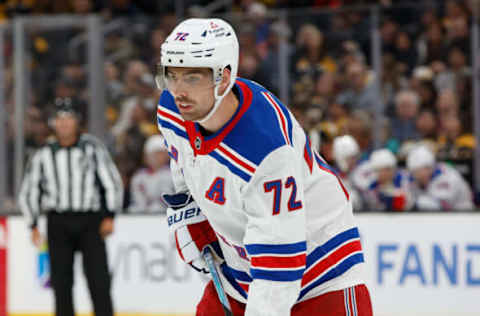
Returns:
(141, 127)
(390, 188)
(152, 55)
(422, 84)
(447, 104)
(326, 133)
(437, 186)
(388, 32)
(431, 45)
(406, 111)
(65, 88)
(404, 53)
(338, 114)
(324, 92)
(138, 83)
(148, 184)
(311, 58)
(82, 6)
(360, 93)
(458, 33)
(248, 68)
(426, 125)
(268, 67)
(114, 87)
(456, 146)
(257, 13)
(360, 127)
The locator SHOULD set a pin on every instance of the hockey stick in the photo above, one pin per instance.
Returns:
(208, 257)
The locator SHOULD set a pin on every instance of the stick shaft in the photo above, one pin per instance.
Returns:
(207, 255)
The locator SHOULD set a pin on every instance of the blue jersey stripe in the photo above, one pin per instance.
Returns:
(239, 172)
(229, 275)
(258, 124)
(285, 275)
(176, 130)
(335, 272)
(240, 275)
(334, 242)
(258, 249)
(325, 165)
(167, 101)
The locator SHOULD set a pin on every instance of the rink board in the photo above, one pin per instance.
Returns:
(417, 265)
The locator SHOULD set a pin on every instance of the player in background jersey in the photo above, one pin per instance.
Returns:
(437, 186)
(149, 183)
(250, 186)
(390, 188)
(357, 175)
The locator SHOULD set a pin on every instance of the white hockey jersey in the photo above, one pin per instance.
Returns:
(146, 190)
(283, 218)
(446, 191)
(396, 196)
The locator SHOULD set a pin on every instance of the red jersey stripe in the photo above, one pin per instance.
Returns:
(297, 261)
(170, 116)
(282, 117)
(335, 257)
(238, 161)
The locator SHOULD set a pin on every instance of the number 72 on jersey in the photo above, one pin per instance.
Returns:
(276, 187)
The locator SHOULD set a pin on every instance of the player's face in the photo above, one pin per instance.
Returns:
(157, 159)
(65, 125)
(385, 175)
(423, 175)
(193, 90)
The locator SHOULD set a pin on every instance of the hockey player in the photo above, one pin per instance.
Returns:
(390, 190)
(437, 186)
(278, 218)
(356, 174)
(149, 183)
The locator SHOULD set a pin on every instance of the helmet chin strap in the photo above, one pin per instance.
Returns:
(218, 100)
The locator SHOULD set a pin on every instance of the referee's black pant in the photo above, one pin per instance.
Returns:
(67, 233)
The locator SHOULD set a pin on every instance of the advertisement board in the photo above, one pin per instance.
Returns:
(420, 264)
(416, 265)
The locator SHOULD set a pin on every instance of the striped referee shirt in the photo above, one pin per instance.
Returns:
(78, 178)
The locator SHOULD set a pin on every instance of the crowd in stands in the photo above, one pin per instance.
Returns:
(426, 91)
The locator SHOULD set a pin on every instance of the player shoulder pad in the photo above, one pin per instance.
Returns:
(265, 126)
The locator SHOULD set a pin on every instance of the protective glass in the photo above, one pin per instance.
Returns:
(187, 82)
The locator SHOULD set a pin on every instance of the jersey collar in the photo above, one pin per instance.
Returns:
(203, 145)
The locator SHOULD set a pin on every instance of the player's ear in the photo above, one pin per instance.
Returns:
(225, 79)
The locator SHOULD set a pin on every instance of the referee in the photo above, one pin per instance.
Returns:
(74, 180)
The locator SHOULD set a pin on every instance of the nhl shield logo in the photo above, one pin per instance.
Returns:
(198, 143)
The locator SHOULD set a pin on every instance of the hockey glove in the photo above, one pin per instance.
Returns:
(191, 230)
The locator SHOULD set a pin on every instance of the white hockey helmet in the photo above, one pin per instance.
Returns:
(202, 43)
(344, 147)
(420, 157)
(154, 143)
(382, 158)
